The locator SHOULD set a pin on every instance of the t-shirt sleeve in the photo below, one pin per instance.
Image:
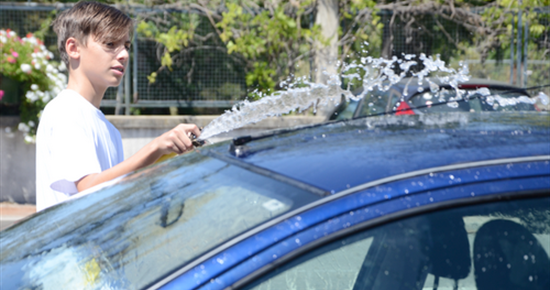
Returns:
(74, 156)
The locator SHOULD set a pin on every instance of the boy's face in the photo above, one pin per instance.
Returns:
(104, 63)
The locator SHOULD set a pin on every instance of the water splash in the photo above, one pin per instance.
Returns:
(543, 98)
(513, 101)
(378, 73)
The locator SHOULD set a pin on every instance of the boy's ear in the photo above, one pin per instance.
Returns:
(73, 48)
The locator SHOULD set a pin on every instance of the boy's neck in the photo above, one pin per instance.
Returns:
(82, 85)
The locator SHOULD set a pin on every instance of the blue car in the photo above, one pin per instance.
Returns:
(435, 201)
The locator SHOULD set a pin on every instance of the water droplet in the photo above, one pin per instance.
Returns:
(453, 105)
(530, 278)
(451, 177)
(525, 257)
(274, 256)
(483, 269)
(509, 266)
(386, 272)
(472, 193)
(543, 98)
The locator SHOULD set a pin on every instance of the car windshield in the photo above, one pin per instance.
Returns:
(144, 227)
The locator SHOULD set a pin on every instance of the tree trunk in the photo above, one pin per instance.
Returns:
(326, 56)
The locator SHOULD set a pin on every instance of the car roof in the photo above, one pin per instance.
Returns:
(344, 154)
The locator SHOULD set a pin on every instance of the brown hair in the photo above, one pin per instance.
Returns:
(105, 24)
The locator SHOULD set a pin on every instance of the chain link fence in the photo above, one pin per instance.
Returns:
(209, 77)
(206, 77)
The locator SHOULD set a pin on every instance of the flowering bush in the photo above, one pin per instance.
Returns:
(27, 61)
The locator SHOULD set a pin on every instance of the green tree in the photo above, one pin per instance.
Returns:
(269, 39)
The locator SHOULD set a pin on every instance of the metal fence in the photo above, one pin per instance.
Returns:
(210, 78)
(203, 78)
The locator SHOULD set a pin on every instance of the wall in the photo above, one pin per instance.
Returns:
(17, 169)
(17, 174)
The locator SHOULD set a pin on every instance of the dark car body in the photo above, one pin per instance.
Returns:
(410, 96)
(393, 202)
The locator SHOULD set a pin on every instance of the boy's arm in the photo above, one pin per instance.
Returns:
(176, 140)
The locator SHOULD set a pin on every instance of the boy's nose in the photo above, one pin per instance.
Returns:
(123, 55)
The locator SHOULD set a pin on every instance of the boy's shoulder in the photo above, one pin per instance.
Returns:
(66, 105)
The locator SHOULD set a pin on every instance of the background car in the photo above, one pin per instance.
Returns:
(409, 97)
(451, 200)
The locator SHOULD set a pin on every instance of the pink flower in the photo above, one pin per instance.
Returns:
(1, 94)
(11, 59)
(15, 54)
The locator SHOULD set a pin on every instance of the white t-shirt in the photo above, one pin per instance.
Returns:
(74, 139)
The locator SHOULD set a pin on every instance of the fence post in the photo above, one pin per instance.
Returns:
(518, 66)
(127, 88)
(512, 52)
(525, 57)
(118, 106)
(135, 78)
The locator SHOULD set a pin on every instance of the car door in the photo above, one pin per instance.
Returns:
(488, 245)
(409, 231)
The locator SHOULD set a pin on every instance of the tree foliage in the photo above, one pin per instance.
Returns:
(268, 38)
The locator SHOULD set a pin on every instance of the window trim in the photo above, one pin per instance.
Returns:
(266, 172)
(380, 221)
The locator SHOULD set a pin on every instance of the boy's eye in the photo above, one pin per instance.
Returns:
(110, 44)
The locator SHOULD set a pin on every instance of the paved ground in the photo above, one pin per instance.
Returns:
(10, 213)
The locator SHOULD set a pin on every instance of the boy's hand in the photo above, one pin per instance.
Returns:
(177, 140)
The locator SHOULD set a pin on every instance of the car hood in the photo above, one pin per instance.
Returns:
(344, 154)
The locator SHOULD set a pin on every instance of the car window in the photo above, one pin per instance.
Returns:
(346, 111)
(502, 245)
(142, 229)
(377, 102)
(447, 101)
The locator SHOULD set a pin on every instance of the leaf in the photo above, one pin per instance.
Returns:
(152, 77)
(166, 61)
(536, 29)
(231, 47)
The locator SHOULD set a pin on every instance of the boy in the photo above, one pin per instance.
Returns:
(76, 147)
